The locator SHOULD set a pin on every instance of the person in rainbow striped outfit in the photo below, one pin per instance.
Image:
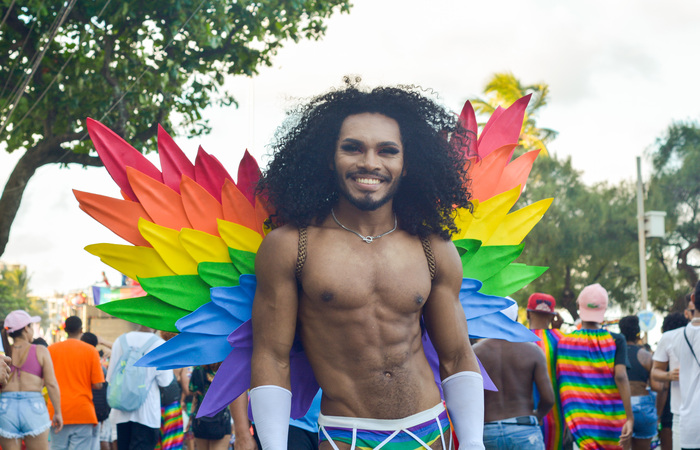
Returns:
(541, 316)
(592, 377)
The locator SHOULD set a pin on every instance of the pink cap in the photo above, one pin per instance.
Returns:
(592, 303)
(19, 319)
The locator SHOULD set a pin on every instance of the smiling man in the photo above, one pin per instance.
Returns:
(359, 263)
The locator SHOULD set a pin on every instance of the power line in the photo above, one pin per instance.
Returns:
(55, 77)
(38, 59)
(7, 14)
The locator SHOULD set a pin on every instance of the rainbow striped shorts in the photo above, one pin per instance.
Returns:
(418, 431)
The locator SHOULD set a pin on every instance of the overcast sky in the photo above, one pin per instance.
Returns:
(619, 73)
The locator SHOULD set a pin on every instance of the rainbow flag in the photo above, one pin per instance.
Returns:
(590, 399)
(553, 423)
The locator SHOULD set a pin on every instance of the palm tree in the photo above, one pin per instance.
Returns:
(503, 90)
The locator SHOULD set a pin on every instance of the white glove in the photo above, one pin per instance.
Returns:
(272, 406)
(464, 398)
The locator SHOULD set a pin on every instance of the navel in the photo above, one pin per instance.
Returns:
(388, 374)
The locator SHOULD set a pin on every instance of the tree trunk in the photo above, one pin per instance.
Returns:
(44, 153)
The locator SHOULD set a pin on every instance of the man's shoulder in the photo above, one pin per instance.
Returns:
(280, 239)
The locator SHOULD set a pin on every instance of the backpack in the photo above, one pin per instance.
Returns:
(99, 399)
(127, 389)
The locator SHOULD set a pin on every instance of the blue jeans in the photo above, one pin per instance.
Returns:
(23, 414)
(499, 435)
(645, 418)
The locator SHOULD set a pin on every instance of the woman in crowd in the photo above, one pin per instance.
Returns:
(23, 412)
(643, 402)
(210, 433)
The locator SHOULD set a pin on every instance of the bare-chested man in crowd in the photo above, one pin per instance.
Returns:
(364, 185)
(511, 419)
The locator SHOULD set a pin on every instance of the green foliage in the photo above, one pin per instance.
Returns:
(503, 89)
(588, 235)
(675, 188)
(14, 292)
(131, 64)
(185, 46)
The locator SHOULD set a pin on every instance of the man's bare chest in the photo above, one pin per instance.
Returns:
(344, 279)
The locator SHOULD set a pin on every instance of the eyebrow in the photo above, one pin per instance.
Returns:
(358, 142)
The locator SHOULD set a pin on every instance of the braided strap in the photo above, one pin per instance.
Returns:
(301, 253)
(429, 255)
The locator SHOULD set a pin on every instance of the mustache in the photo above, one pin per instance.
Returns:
(359, 173)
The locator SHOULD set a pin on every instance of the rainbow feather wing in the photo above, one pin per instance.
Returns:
(194, 234)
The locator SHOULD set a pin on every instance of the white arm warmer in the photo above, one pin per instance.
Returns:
(464, 398)
(272, 406)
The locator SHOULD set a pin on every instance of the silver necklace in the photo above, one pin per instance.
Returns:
(367, 239)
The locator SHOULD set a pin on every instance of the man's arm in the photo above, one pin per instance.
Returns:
(661, 374)
(623, 385)
(446, 323)
(444, 315)
(274, 325)
(543, 383)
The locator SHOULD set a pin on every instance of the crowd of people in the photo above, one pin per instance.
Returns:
(56, 396)
(360, 266)
(587, 389)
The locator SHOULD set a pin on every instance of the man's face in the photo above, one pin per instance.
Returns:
(368, 160)
(690, 310)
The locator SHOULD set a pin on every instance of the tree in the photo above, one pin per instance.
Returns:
(14, 291)
(503, 89)
(675, 188)
(130, 64)
(589, 234)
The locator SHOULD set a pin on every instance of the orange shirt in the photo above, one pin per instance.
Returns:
(77, 367)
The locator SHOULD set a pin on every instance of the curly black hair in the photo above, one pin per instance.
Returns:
(673, 321)
(629, 327)
(302, 188)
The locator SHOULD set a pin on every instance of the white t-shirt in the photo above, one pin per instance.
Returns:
(690, 386)
(665, 352)
(149, 413)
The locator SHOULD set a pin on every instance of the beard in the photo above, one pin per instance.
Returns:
(365, 202)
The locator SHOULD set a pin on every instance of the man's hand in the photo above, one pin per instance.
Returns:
(245, 441)
(557, 321)
(5, 363)
(57, 421)
(626, 434)
(673, 375)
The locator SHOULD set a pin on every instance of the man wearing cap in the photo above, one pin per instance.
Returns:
(510, 418)
(541, 315)
(592, 376)
(78, 372)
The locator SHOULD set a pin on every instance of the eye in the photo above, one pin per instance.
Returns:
(350, 148)
(390, 150)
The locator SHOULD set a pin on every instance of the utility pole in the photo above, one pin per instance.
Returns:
(641, 236)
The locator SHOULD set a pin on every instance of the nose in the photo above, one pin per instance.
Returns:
(370, 160)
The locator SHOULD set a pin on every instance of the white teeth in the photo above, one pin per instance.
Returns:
(368, 180)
